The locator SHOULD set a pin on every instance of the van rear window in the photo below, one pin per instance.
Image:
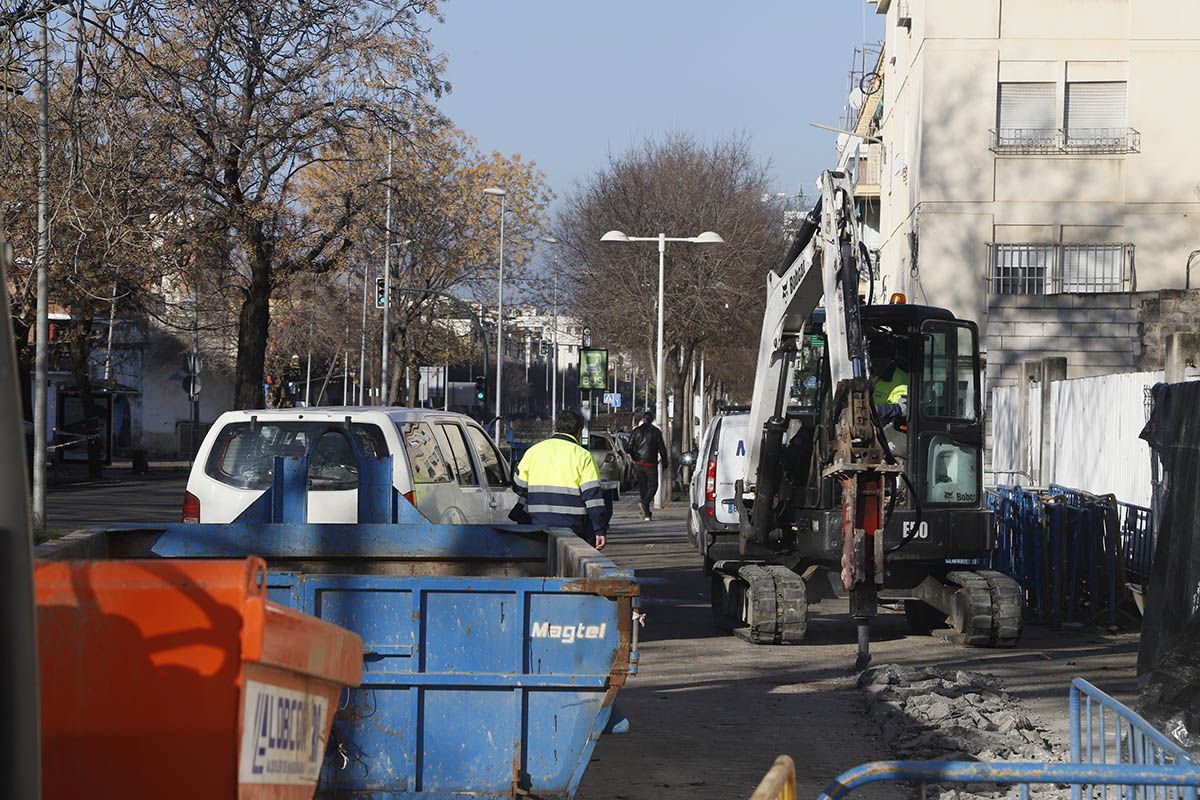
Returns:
(244, 453)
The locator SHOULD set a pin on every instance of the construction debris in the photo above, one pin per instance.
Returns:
(931, 713)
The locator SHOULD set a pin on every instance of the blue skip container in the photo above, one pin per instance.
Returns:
(493, 654)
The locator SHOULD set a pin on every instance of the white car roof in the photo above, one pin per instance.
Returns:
(376, 414)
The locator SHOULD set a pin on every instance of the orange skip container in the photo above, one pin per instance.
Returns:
(177, 678)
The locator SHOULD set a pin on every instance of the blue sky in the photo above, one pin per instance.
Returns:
(563, 82)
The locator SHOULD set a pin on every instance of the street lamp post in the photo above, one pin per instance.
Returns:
(387, 284)
(554, 337)
(362, 347)
(41, 380)
(707, 237)
(503, 195)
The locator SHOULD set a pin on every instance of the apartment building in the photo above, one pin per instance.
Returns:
(1029, 165)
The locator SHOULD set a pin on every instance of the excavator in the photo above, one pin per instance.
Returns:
(849, 492)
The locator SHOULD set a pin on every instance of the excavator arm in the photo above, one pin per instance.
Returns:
(822, 264)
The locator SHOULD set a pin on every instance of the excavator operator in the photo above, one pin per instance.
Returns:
(891, 382)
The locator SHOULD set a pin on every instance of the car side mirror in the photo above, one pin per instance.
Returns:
(688, 459)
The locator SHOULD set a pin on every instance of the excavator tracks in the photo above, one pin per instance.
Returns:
(1007, 607)
(986, 610)
(761, 603)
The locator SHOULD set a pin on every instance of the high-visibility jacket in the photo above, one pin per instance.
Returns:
(558, 485)
(890, 390)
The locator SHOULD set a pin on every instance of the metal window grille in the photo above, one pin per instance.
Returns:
(1102, 140)
(1034, 268)
(1021, 268)
(1090, 268)
(1025, 141)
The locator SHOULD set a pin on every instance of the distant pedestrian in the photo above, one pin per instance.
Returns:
(648, 449)
(558, 484)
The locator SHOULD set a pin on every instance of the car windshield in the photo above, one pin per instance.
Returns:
(599, 442)
(244, 453)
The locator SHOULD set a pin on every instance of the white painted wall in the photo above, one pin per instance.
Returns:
(1095, 425)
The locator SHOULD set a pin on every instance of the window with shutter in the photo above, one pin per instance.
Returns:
(1095, 115)
(1026, 116)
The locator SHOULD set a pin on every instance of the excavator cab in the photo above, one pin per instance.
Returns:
(925, 371)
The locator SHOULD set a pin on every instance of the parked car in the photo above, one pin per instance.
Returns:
(612, 459)
(443, 463)
(621, 446)
(719, 464)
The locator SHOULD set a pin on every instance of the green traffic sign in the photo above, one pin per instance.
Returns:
(593, 369)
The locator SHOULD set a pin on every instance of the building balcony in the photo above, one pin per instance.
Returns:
(868, 172)
(1076, 268)
(1059, 141)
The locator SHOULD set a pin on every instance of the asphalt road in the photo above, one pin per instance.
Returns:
(151, 499)
(709, 712)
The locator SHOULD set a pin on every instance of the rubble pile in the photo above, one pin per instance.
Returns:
(931, 713)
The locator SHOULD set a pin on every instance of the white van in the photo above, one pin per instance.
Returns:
(444, 464)
(720, 464)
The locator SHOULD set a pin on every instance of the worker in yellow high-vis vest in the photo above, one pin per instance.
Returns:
(890, 393)
(558, 484)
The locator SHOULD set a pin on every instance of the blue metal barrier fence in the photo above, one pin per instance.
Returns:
(1106, 731)
(1074, 553)
(1128, 777)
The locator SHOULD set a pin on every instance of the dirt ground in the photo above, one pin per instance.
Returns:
(709, 712)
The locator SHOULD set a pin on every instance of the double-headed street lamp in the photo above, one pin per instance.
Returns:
(708, 237)
(495, 191)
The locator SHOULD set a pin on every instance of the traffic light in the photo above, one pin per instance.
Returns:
(379, 294)
(481, 391)
(192, 365)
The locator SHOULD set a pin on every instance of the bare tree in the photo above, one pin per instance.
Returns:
(713, 294)
(109, 208)
(259, 93)
(452, 231)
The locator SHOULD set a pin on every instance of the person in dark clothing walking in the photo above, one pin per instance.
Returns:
(648, 449)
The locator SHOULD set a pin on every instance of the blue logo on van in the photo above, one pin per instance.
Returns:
(741, 448)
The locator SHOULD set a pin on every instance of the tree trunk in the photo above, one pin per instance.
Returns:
(21, 329)
(81, 367)
(393, 388)
(686, 412)
(677, 369)
(254, 323)
(403, 397)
